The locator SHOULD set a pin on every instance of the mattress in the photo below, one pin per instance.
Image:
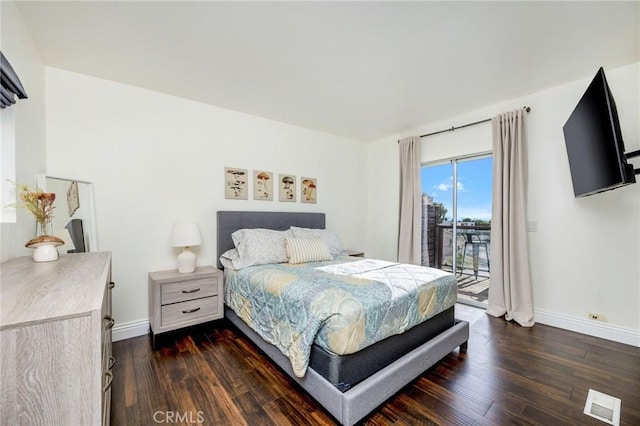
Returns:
(345, 371)
(342, 307)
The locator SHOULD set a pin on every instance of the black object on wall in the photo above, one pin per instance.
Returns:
(10, 84)
(594, 142)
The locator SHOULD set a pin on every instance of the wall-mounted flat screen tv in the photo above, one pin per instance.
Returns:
(594, 142)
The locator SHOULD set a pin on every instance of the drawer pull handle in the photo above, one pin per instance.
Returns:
(112, 285)
(112, 362)
(109, 375)
(191, 291)
(110, 322)
(190, 311)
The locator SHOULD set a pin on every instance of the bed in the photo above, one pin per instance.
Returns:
(352, 385)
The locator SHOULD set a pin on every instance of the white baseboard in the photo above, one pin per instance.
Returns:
(589, 327)
(130, 329)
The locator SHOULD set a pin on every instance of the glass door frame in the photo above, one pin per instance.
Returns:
(454, 201)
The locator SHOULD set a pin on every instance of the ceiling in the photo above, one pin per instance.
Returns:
(363, 70)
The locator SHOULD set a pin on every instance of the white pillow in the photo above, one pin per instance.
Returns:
(259, 247)
(329, 236)
(302, 250)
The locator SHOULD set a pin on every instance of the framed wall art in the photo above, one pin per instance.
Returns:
(235, 183)
(262, 185)
(73, 199)
(308, 190)
(287, 188)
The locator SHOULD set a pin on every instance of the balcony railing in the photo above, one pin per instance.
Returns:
(472, 250)
(471, 245)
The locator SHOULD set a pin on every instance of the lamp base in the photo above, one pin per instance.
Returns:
(186, 261)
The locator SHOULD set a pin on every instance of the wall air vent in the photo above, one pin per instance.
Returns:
(603, 407)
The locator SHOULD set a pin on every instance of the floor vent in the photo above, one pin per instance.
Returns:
(603, 407)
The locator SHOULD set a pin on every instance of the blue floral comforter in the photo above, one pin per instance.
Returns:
(342, 305)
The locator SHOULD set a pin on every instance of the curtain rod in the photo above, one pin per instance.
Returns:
(526, 108)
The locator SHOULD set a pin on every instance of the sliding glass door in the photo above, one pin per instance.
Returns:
(457, 196)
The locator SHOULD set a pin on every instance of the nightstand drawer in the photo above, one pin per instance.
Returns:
(178, 300)
(187, 311)
(188, 290)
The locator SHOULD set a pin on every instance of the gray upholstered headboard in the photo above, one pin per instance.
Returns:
(231, 221)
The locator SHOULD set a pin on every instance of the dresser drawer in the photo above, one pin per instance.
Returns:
(188, 290)
(186, 311)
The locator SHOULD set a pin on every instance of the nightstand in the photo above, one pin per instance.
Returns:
(178, 300)
(355, 253)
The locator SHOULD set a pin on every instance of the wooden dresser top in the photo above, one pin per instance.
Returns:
(71, 286)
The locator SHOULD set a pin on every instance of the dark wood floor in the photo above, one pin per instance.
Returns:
(509, 375)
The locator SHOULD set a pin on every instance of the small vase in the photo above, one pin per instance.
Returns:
(45, 248)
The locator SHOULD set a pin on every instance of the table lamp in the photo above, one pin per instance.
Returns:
(185, 235)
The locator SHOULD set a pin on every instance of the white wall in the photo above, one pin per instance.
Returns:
(585, 255)
(156, 159)
(27, 121)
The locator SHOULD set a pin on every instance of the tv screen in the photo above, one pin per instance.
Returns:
(594, 142)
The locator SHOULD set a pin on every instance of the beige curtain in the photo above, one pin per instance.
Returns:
(510, 292)
(410, 228)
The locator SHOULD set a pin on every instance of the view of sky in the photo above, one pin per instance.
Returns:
(474, 187)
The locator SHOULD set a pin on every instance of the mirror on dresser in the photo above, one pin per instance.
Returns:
(74, 217)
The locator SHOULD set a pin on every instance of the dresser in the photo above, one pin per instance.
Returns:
(55, 329)
(178, 300)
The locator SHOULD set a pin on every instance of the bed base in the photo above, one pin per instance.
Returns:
(354, 404)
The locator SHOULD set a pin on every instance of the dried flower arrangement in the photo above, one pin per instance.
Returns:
(40, 204)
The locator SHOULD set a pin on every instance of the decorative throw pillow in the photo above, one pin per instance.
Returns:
(302, 250)
(329, 236)
(259, 247)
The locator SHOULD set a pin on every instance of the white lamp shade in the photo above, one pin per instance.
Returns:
(185, 234)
